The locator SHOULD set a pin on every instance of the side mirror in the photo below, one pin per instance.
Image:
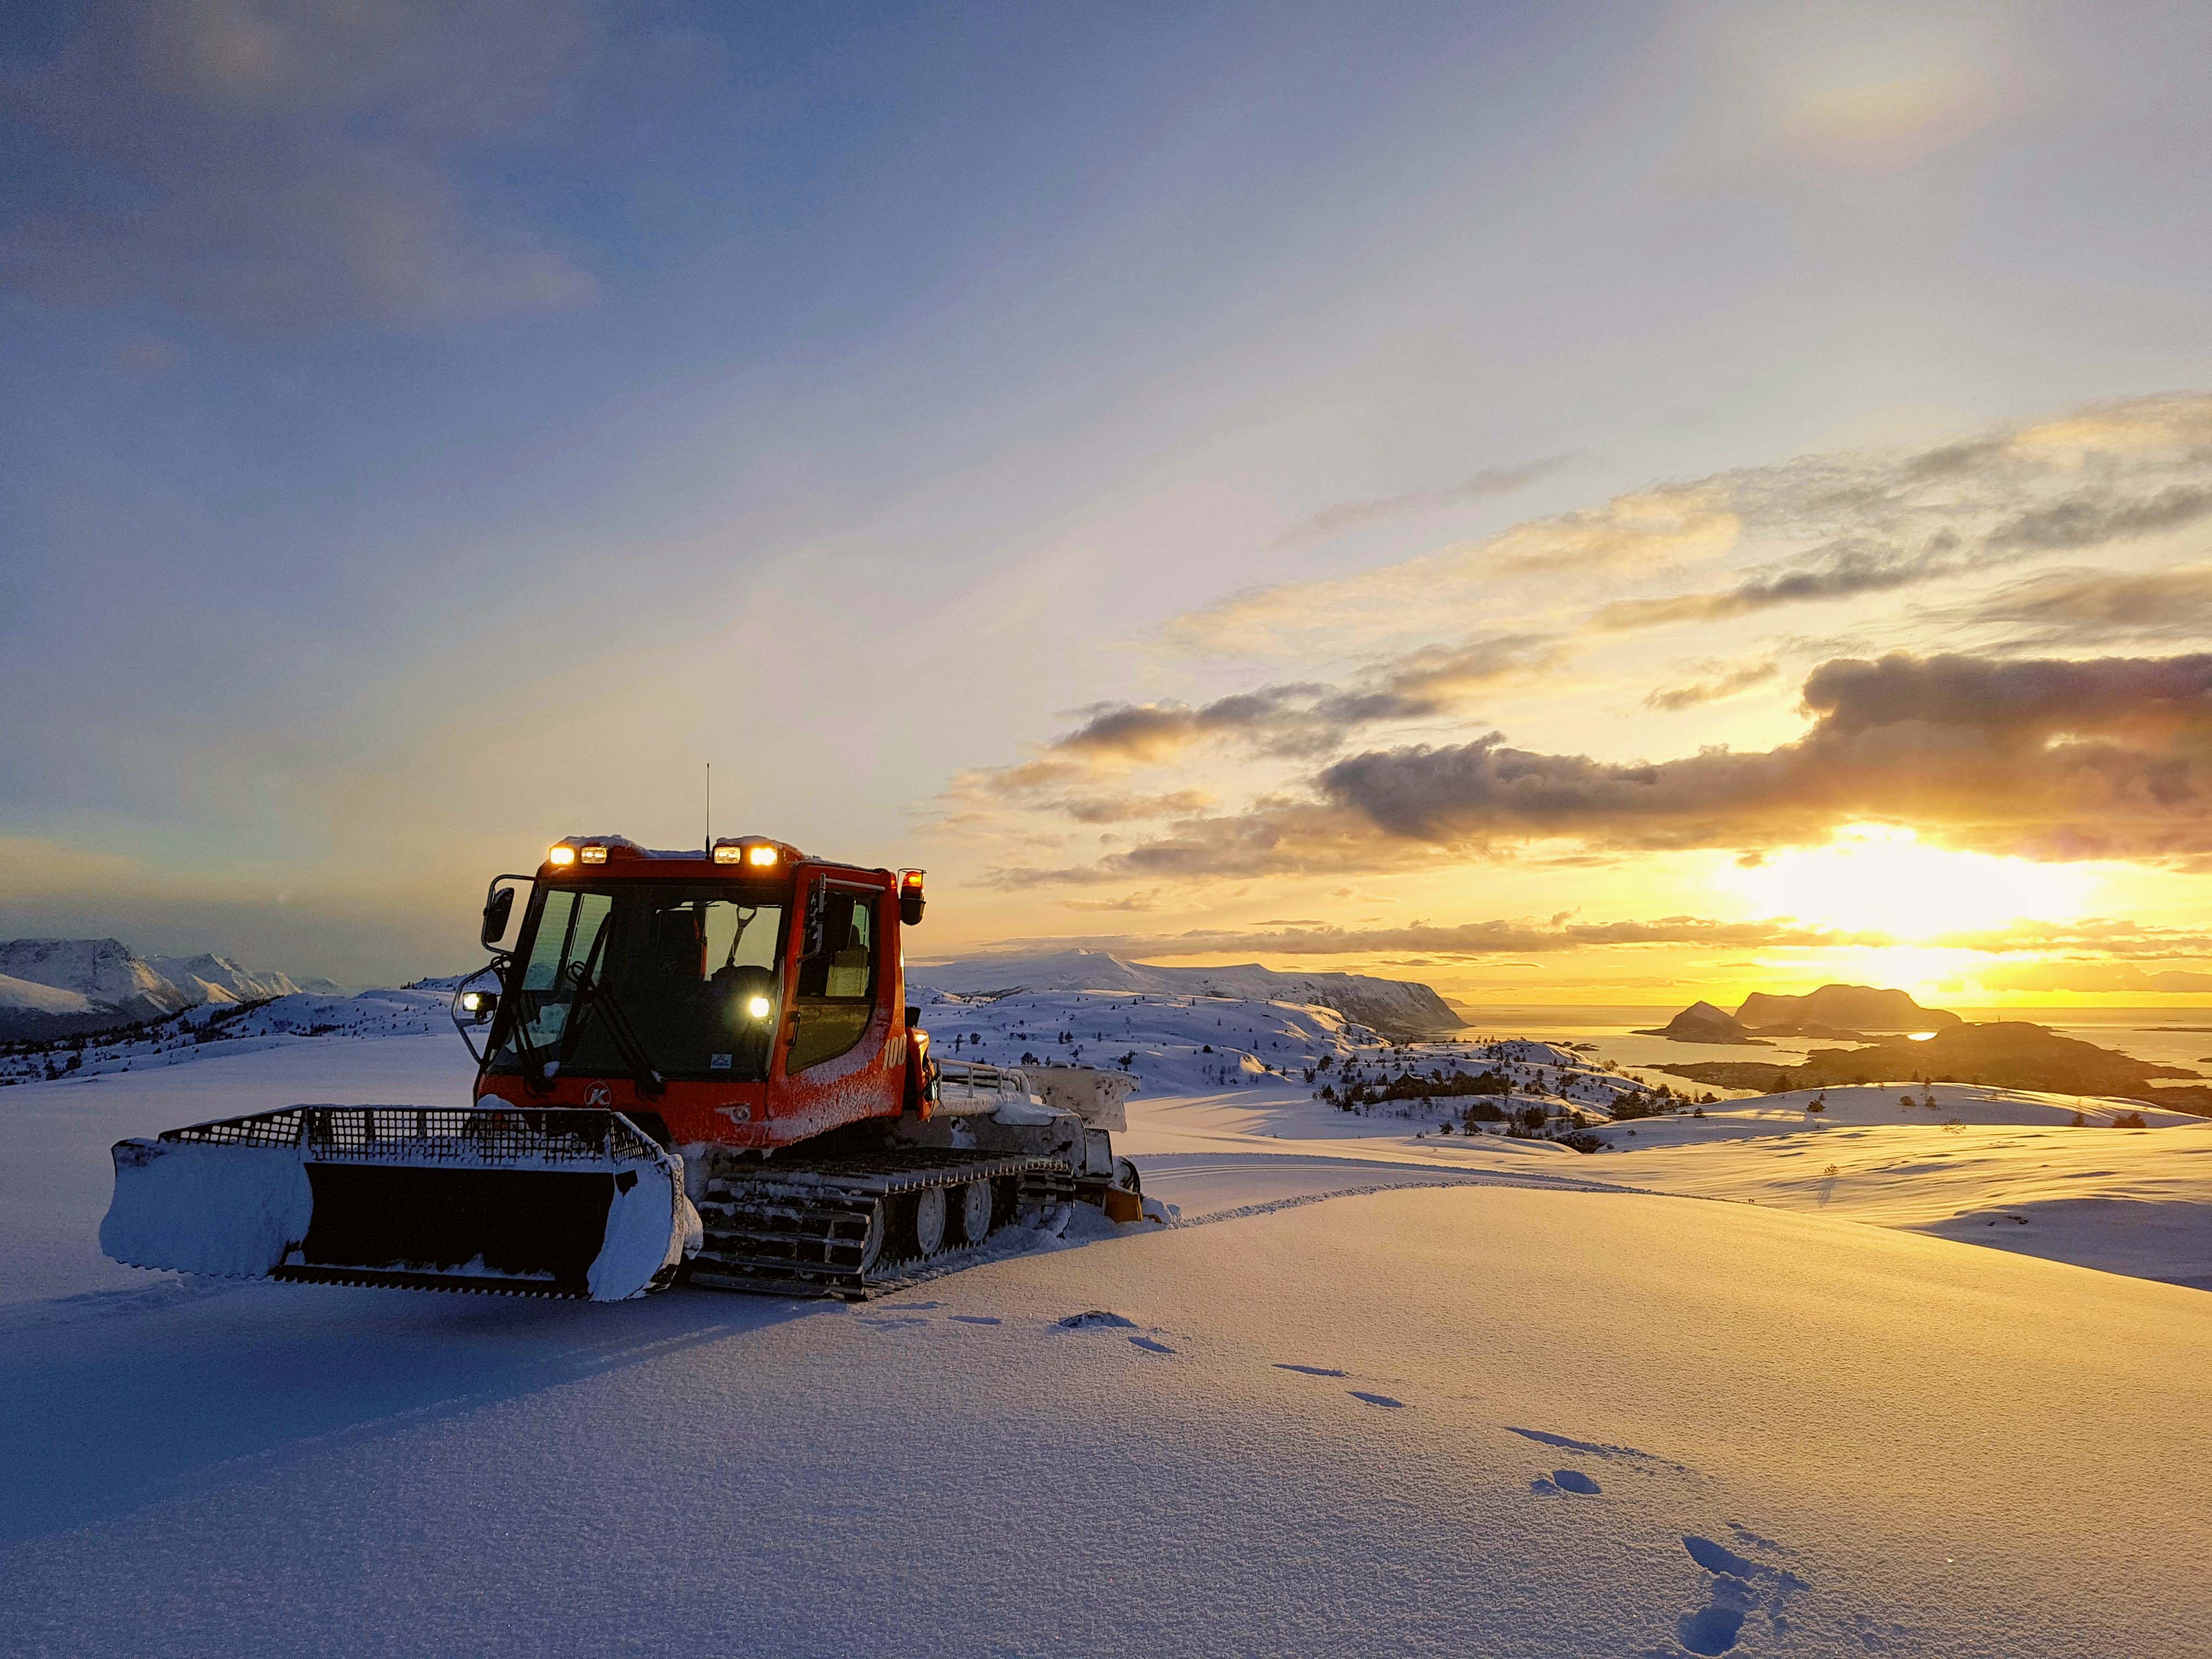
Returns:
(499, 912)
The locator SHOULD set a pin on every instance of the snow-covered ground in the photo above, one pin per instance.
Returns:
(1491, 1397)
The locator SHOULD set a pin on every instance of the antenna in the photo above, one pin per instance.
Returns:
(710, 809)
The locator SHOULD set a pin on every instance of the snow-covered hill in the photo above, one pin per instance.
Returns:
(231, 1027)
(28, 996)
(52, 987)
(1400, 1007)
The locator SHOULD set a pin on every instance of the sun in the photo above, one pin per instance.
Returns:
(1877, 878)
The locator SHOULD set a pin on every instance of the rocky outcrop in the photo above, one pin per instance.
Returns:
(1841, 1008)
(2002, 1054)
(1703, 1023)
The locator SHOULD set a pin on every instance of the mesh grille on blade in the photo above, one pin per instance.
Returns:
(434, 1134)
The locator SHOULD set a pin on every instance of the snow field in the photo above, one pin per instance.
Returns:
(1382, 1392)
(1499, 1421)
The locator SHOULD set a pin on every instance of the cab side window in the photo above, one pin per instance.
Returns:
(837, 984)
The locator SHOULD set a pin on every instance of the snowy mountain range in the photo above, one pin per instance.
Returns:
(1400, 1007)
(53, 988)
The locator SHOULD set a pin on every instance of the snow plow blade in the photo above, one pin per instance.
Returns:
(523, 1202)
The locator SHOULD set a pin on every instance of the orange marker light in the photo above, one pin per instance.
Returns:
(760, 855)
(560, 855)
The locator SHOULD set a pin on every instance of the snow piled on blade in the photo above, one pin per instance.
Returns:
(229, 1210)
(648, 1225)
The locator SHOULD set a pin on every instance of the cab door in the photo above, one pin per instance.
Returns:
(836, 1060)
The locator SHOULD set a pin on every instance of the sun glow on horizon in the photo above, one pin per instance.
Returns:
(1879, 878)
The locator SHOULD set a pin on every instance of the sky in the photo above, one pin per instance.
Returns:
(1574, 504)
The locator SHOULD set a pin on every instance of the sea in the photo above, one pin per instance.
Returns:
(2172, 1036)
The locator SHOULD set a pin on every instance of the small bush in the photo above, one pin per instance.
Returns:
(2130, 1121)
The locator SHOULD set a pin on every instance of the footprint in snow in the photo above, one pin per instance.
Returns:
(1643, 1460)
(894, 1324)
(974, 1319)
(1565, 1480)
(1378, 1399)
(1151, 1347)
(1097, 1319)
(1310, 1370)
(1740, 1586)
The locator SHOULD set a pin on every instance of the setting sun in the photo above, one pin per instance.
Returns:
(1883, 880)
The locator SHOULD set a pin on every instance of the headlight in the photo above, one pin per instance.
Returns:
(560, 855)
(758, 1007)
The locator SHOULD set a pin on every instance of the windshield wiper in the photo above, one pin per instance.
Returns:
(590, 997)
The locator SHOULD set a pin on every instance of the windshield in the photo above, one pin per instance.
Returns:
(676, 961)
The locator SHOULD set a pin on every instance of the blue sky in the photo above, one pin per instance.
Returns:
(441, 429)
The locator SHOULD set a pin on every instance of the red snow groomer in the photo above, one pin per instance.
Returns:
(695, 1064)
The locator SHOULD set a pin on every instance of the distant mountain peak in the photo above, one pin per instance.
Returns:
(53, 988)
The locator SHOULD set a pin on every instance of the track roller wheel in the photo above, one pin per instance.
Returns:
(921, 1223)
(973, 1210)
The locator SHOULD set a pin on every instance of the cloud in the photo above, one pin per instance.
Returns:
(275, 170)
(2045, 758)
(1838, 573)
(1347, 515)
(2104, 758)
(2091, 976)
(1129, 901)
(1642, 532)
(1724, 681)
(2085, 606)
(1126, 809)
(1303, 719)
(2094, 519)
(1816, 529)
(1847, 570)
(1473, 939)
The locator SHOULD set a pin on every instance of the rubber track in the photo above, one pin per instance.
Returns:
(802, 1229)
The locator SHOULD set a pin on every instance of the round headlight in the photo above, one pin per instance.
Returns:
(757, 1007)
